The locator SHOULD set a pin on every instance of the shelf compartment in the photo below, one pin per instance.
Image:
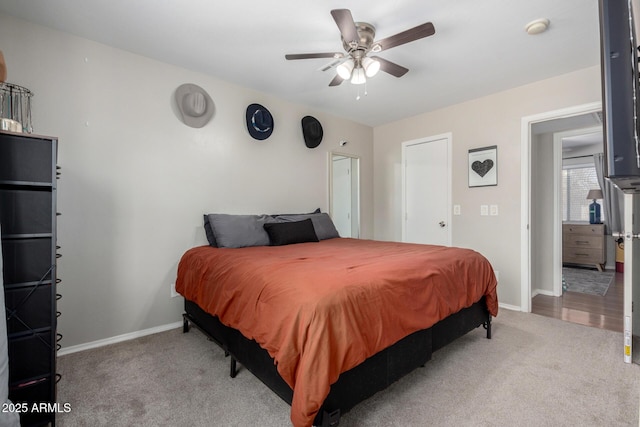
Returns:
(28, 260)
(39, 390)
(26, 159)
(25, 212)
(27, 355)
(29, 308)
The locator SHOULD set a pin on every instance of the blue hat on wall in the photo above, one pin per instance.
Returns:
(259, 122)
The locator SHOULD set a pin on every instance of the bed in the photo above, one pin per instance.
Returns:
(325, 321)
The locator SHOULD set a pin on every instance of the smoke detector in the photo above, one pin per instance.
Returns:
(536, 27)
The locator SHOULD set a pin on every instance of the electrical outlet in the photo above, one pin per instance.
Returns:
(484, 210)
(173, 291)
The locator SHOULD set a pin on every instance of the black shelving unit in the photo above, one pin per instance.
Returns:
(28, 177)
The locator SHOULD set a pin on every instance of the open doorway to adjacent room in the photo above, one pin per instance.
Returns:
(573, 273)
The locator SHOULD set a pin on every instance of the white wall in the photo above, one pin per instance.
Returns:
(542, 213)
(492, 120)
(136, 180)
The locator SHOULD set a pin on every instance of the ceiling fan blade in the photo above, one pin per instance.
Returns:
(337, 80)
(314, 55)
(391, 67)
(415, 33)
(346, 24)
(332, 64)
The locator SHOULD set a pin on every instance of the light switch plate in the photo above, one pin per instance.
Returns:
(457, 210)
(493, 210)
(484, 210)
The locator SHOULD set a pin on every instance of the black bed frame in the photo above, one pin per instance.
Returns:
(363, 381)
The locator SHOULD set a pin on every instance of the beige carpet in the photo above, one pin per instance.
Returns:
(536, 371)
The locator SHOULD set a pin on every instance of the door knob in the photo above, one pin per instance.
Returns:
(442, 224)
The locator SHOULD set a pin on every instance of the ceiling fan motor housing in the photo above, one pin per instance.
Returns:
(359, 48)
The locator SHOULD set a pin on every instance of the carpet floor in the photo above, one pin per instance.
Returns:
(587, 281)
(535, 371)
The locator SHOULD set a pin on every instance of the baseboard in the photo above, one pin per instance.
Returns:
(119, 338)
(509, 307)
(542, 292)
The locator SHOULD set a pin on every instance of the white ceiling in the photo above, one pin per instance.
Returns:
(578, 141)
(480, 46)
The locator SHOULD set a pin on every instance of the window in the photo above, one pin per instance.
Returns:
(577, 180)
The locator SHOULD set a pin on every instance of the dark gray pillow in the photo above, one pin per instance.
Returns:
(239, 231)
(321, 223)
(209, 232)
(306, 213)
(287, 233)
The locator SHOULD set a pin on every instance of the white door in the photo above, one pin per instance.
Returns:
(427, 190)
(341, 193)
(631, 269)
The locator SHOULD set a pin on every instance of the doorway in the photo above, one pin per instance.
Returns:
(344, 193)
(582, 292)
(542, 291)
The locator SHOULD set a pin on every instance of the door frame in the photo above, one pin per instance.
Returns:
(525, 189)
(355, 184)
(449, 179)
(630, 201)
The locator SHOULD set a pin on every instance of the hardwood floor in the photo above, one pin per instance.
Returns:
(601, 312)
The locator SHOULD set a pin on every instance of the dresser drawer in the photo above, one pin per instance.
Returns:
(582, 241)
(584, 229)
(582, 255)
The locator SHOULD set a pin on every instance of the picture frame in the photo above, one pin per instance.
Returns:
(483, 166)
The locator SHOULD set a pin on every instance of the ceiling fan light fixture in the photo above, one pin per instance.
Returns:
(358, 76)
(344, 70)
(371, 66)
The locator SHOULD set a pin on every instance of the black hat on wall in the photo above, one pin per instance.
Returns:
(312, 131)
(259, 122)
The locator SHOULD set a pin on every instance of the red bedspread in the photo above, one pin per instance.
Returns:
(320, 309)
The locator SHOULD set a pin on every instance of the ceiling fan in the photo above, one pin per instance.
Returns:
(358, 41)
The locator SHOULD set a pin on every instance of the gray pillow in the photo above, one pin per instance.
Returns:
(321, 223)
(209, 232)
(239, 231)
(296, 214)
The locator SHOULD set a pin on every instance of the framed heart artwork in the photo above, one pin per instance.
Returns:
(483, 166)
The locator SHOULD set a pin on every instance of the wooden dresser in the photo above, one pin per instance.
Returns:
(583, 244)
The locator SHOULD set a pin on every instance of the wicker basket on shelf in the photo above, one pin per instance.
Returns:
(15, 104)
